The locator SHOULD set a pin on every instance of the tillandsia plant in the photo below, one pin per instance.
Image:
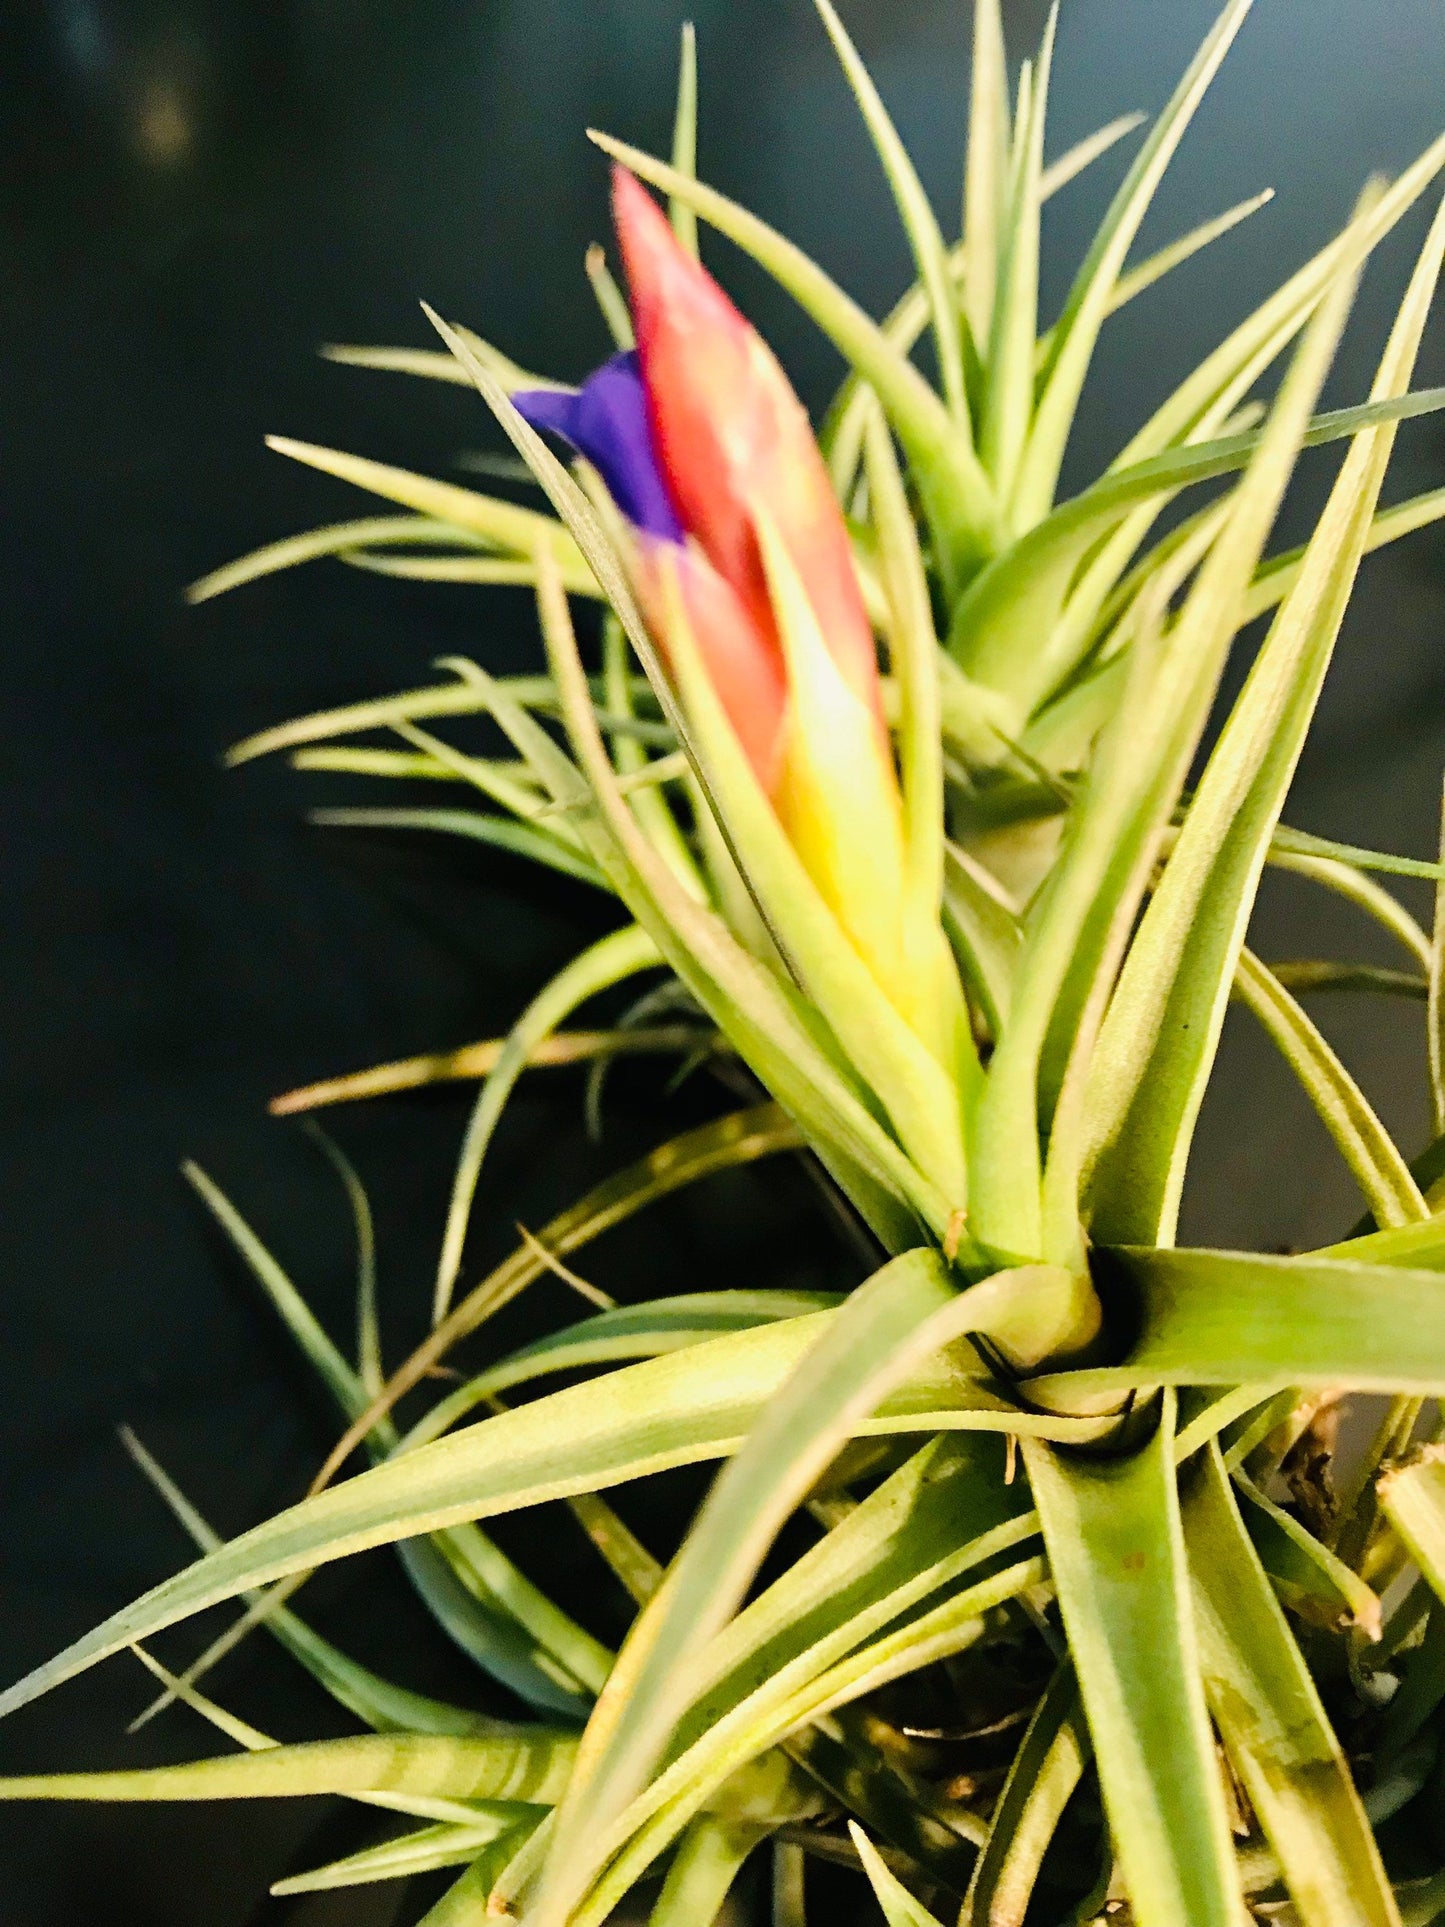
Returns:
(894, 763)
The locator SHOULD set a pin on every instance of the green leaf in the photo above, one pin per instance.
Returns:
(900, 1909)
(469, 1902)
(611, 301)
(904, 1313)
(448, 699)
(1116, 1552)
(1087, 303)
(1271, 1719)
(946, 1511)
(562, 1048)
(612, 959)
(957, 1623)
(819, 1635)
(1154, 267)
(985, 931)
(1302, 976)
(1010, 347)
(914, 657)
(356, 760)
(1369, 1150)
(900, 1315)
(684, 137)
(1072, 162)
(335, 539)
(1023, 592)
(624, 1554)
(707, 1862)
(385, 1707)
(480, 571)
(971, 264)
(511, 1763)
(1340, 874)
(461, 698)
(1047, 1767)
(1192, 657)
(727, 1142)
(434, 367)
(1246, 1318)
(1412, 1497)
(536, 845)
(480, 1598)
(953, 484)
(1081, 916)
(1305, 1573)
(1156, 1049)
(919, 222)
(630, 1331)
(422, 1851)
(677, 1410)
(1275, 576)
(986, 169)
(1016, 629)
(503, 525)
(1226, 375)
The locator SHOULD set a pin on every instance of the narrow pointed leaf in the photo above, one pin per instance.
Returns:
(385, 1707)
(1047, 1767)
(504, 525)
(1364, 1143)
(500, 832)
(919, 221)
(1116, 1551)
(985, 176)
(684, 137)
(422, 1851)
(1272, 1721)
(335, 539)
(609, 961)
(1156, 1049)
(516, 1763)
(900, 1908)
(1009, 404)
(1072, 162)
(1088, 300)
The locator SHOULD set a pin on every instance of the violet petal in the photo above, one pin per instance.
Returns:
(607, 421)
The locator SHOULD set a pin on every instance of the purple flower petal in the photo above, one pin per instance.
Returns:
(607, 421)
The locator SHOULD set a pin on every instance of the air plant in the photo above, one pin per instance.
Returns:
(894, 764)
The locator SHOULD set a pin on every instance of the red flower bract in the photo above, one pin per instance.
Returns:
(733, 439)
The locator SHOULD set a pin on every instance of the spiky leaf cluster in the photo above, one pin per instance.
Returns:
(1068, 1488)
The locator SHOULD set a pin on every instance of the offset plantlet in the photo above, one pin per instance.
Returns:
(884, 758)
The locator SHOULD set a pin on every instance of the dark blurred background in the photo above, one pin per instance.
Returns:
(194, 194)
